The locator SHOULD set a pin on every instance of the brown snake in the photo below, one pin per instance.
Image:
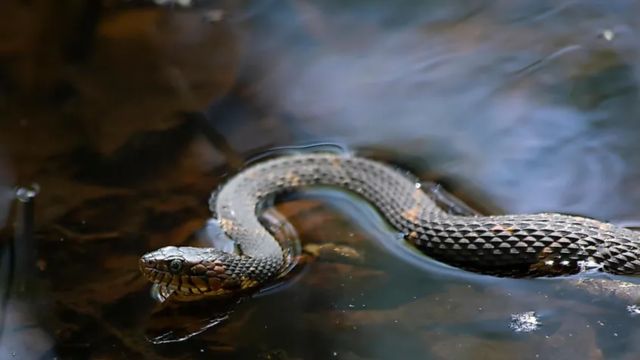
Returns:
(506, 245)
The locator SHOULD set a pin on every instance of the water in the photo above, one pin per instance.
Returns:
(128, 114)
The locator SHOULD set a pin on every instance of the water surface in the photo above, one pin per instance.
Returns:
(127, 114)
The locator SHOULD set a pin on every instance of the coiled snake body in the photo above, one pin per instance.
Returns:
(506, 245)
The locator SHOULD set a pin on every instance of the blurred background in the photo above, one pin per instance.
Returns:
(123, 115)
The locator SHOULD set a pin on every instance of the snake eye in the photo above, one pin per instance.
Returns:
(175, 265)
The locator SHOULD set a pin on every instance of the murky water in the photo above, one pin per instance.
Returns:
(127, 114)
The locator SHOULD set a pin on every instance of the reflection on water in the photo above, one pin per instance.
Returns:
(128, 114)
(536, 91)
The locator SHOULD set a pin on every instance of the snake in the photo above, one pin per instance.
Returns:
(514, 245)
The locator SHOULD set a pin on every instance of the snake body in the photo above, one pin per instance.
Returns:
(506, 245)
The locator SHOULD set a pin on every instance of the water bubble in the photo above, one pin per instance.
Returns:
(214, 15)
(183, 3)
(26, 193)
(524, 322)
(633, 310)
(608, 34)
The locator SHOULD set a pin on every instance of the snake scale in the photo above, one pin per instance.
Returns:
(506, 245)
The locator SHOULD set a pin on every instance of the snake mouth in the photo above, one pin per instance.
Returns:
(149, 269)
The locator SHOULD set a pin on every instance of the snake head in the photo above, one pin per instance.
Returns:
(190, 271)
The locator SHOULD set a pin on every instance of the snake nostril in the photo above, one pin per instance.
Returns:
(148, 262)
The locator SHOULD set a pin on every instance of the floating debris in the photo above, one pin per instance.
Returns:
(524, 322)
